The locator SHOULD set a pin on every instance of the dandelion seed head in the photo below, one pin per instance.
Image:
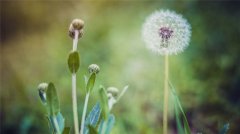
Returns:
(166, 32)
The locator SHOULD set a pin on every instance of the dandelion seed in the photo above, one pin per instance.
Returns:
(166, 32)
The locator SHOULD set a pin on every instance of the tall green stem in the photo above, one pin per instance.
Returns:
(84, 112)
(74, 90)
(165, 109)
(74, 100)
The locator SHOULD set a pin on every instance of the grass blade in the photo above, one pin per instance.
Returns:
(177, 102)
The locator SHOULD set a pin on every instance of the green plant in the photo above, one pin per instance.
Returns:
(100, 120)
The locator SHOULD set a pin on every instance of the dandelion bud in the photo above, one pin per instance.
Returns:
(111, 101)
(93, 68)
(76, 25)
(112, 90)
(42, 92)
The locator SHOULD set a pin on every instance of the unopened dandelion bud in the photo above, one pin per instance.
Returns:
(42, 92)
(76, 26)
(112, 90)
(109, 95)
(93, 68)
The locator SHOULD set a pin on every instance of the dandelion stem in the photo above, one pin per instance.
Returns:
(84, 112)
(165, 109)
(74, 99)
(75, 40)
(74, 86)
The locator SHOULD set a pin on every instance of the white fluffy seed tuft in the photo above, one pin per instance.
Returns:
(166, 32)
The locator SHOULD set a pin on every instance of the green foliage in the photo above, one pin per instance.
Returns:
(73, 61)
(92, 118)
(52, 100)
(66, 130)
(60, 123)
(53, 109)
(110, 123)
(104, 102)
(92, 130)
(178, 106)
(91, 82)
(178, 119)
(107, 125)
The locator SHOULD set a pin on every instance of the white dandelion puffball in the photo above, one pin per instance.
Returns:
(166, 32)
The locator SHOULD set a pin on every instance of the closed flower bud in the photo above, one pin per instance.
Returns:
(112, 90)
(93, 68)
(42, 92)
(76, 25)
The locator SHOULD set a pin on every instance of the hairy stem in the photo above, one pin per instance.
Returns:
(84, 112)
(165, 109)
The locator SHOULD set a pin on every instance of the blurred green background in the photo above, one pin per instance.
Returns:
(35, 46)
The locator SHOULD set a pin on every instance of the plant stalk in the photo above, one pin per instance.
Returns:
(74, 90)
(55, 122)
(84, 112)
(74, 99)
(104, 127)
(165, 109)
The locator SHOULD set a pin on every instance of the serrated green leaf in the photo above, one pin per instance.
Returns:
(224, 129)
(66, 130)
(52, 100)
(104, 102)
(177, 102)
(92, 130)
(73, 61)
(93, 117)
(91, 82)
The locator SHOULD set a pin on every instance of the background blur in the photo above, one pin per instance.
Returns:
(35, 46)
